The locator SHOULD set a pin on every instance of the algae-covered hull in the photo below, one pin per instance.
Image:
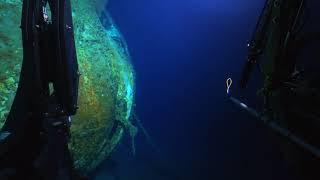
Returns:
(106, 84)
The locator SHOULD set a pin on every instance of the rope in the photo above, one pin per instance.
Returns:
(145, 133)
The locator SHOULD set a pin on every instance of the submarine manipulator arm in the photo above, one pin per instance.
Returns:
(257, 48)
(272, 124)
(278, 21)
(257, 42)
(34, 138)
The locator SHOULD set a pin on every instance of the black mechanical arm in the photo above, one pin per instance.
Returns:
(291, 108)
(273, 36)
(33, 140)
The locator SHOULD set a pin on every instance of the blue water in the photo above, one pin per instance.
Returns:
(183, 51)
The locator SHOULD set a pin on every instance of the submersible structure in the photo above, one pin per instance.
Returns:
(285, 50)
(34, 138)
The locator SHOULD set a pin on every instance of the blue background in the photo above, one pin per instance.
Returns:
(183, 51)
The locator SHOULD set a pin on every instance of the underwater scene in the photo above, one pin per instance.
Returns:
(159, 89)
